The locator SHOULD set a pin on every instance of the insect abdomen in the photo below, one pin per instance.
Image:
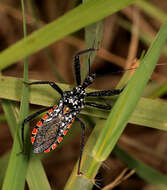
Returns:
(50, 130)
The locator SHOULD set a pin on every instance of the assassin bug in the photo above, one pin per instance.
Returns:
(53, 126)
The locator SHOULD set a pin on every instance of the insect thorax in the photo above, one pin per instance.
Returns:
(74, 99)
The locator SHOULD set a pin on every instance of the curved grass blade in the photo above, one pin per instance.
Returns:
(74, 20)
(119, 116)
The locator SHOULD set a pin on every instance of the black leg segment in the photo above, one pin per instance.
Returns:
(77, 64)
(100, 106)
(29, 118)
(82, 144)
(52, 84)
(105, 92)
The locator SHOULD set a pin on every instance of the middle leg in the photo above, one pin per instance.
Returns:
(100, 106)
(105, 92)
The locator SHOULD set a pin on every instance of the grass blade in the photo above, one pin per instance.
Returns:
(124, 107)
(74, 20)
(18, 163)
(148, 112)
(119, 116)
(36, 177)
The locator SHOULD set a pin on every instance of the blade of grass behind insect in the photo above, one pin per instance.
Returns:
(144, 171)
(93, 36)
(4, 159)
(11, 114)
(2, 118)
(17, 167)
(119, 115)
(72, 21)
(159, 92)
(148, 112)
(36, 177)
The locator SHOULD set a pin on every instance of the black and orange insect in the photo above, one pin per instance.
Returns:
(54, 125)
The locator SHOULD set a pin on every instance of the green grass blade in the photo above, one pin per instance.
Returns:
(11, 113)
(2, 118)
(74, 20)
(3, 165)
(119, 115)
(144, 171)
(93, 36)
(148, 112)
(18, 163)
(36, 177)
(124, 107)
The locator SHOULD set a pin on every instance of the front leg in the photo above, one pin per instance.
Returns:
(52, 84)
(77, 64)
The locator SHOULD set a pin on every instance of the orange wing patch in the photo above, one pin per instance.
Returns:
(34, 131)
(50, 111)
(32, 140)
(54, 146)
(69, 125)
(45, 117)
(48, 150)
(60, 139)
(65, 132)
(39, 124)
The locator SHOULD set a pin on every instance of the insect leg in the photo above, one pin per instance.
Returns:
(29, 118)
(52, 84)
(77, 64)
(82, 144)
(105, 92)
(100, 106)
